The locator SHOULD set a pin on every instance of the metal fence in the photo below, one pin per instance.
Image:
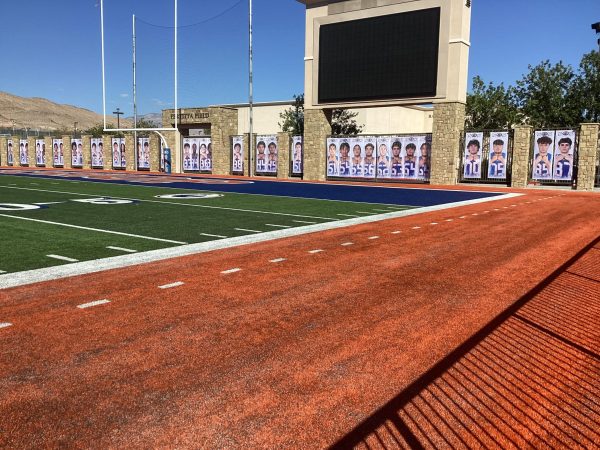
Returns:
(412, 169)
(553, 180)
(501, 171)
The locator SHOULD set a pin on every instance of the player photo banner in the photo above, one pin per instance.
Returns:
(370, 159)
(266, 154)
(564, 155)
(10, 153)
(40, 150)
(410, 156)
(237, 154)
(333, 157)
(143, 153)
(76, 153)
(205, 151)
(296, 155)
(498, 158)
(396, 150)
(58, 153)
(424, 154)
(543, 150)
(357, 157)
(23, 152)
(97, 152)
(191, 155)
(118, 152)
(384, 145)
(472, 156)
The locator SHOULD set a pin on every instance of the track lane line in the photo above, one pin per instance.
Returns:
(99, 230)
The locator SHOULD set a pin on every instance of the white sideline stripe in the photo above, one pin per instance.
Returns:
(92, 229)
(277, 260)
(47, 203)
(63, 258)
(121, 249)
(277, 226)
(303, 221)
(212, 235)
(245, 229)
(172, 203)
(373, 237)
(345, 244)
(5, 324)
(225, 272)
(91, 304)
(318, 250)
(117, 262)
(171, 285)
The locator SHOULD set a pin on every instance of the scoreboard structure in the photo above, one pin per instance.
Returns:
(377, 53)
(363, 53)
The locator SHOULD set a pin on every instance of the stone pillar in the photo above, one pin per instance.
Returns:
(106, 151)
(86, 146)
(224, 123)
(3, 147)
(67, 152)
(154, 152)
(48, 155)
(448, 126)
(521, 156)
(129, 152)
(283, 160)
(317, 126)
(31, 151)
(588, 156)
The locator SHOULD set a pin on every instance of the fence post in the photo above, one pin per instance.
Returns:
(448, 126)
(588, 152)
(317, 126)
(283, 160)
(521, 155)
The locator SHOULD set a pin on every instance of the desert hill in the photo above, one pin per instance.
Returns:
(39, 113)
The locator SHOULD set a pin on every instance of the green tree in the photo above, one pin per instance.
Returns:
(343, 123)
(545, 95)
(98, 130)
(586, 89)
(490, 106)
(293, 118)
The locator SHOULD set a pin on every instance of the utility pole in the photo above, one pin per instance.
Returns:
(596, 28)
(250, 89)
(118, 113)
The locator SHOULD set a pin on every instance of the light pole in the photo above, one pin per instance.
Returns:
(118, 113)
(596, 28)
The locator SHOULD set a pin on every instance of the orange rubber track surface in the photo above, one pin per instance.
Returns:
(479, 328)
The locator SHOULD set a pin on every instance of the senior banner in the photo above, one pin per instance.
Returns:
(542, 155)
(58, 153)
(118, 153)
(384, 144)
(357, 157)
(396, 149)
(296, 156)
(40, 152)
(472, 155)
(97, 151)
(143, 153)
(498, 158)
(370, 160)
(564, 155)
(424, 156)
(237, 154)
(76, 153)
(23, 152)
(205, 152)
(410, 156)
(333, 157)
(10, 155)
(190, 157)
(266, 154)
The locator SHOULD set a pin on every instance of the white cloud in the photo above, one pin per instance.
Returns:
(124, 95)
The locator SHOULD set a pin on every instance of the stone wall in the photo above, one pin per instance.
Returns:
(223, 125)
(317, 127)
(521, 155)
(588, 156)
(448, 126)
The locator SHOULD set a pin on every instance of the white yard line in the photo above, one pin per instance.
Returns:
(347, 215)
(303, 221)
(92, 304)
(2, 271)
(249, 231)
(277, 226)
(63, 258)
(212, 235)
(173, 203)
(121, 249)
(116, 262)
(172, 285)
(99, 230)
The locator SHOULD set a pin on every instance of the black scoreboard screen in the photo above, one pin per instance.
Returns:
(380, 58)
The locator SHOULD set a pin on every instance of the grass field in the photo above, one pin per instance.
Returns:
(84, 221)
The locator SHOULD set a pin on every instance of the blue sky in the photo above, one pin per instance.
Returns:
(56, 52)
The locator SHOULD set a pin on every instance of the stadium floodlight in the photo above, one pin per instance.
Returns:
(135, 129)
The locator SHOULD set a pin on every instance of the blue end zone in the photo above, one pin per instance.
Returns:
(350, 193)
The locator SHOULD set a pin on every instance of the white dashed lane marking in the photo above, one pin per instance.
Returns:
(249, 231)
(171, 285)
(433, 223)
(373, 237)
(346, 244)
(5, 324)
(416, 228)
(277, 260)
(92, 304)
(318, 250)
(62, 258)
(449, 220)
(225, 272)
(121, 249)
(396, 232)
(213, 235)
